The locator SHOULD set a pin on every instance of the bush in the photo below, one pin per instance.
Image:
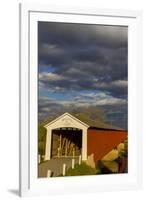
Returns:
(41, 139)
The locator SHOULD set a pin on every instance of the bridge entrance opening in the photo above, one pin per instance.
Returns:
(66, 142)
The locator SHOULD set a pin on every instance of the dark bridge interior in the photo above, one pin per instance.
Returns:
(66, 142)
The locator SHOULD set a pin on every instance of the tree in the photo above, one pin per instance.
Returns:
(41, 139)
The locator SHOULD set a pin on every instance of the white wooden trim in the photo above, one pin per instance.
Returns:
(65, 114)
(84, 144)
(60, 123)
(48, 144)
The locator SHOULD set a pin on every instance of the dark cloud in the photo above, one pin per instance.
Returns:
(70, 42)
(77, 57)
(66, 34)
(78, 80)
(116, 114)
(84, 52)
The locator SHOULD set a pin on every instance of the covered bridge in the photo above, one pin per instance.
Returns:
(72, 135)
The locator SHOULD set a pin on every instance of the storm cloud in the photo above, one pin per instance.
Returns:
(82, 61)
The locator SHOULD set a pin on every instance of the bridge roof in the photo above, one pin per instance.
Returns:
(88, 121)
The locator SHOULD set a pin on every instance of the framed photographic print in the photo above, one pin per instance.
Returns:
(80, 100)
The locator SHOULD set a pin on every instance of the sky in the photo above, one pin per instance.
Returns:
(83, 66)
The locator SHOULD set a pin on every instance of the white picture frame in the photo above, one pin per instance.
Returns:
(29, 184)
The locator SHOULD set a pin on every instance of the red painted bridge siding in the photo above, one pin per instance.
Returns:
(100, 142)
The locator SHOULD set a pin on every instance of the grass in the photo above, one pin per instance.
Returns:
(82, 169)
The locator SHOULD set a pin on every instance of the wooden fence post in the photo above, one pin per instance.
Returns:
(49, 173)
(64, 169)
(39, 158)
(73, 164)
(80, 159)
